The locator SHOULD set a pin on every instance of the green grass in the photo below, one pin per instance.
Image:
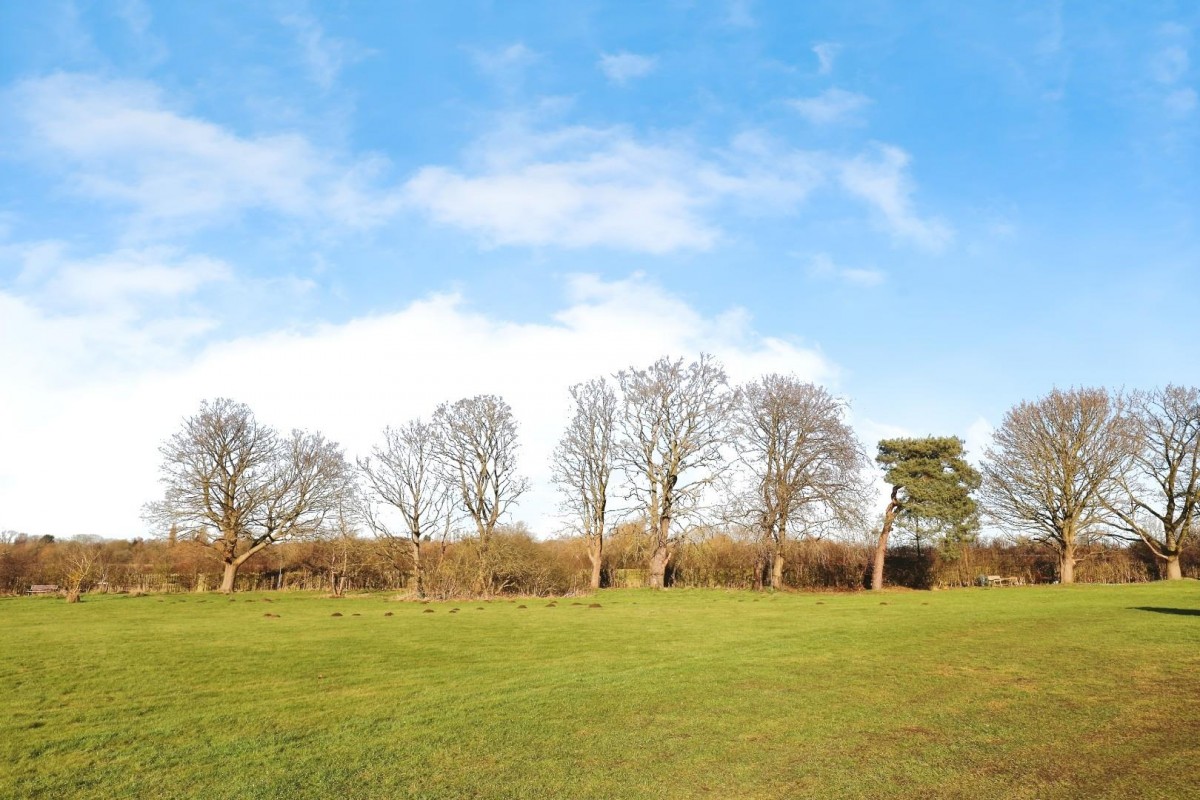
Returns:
(1025, 692)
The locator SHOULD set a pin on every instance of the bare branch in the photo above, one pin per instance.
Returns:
(1055, 465)
(673, 423)
(223, 471)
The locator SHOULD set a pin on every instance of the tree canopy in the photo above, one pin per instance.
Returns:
(932, 484)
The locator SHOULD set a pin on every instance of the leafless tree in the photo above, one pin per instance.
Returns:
(582, 465)
(402, 478)
(342, 527)
(80, 562)
(225, 471)
(1159, 498)
(672, 424)
(804, 463)
(477, 453)
(1053, 467)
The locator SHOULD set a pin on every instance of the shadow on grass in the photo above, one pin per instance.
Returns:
(1184, 612)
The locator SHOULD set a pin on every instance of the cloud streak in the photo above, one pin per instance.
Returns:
(324, 55)
(823, 267)
(831, 106)
(119, 142)
(578, 187)
(826, 53)
(621, 68)
(883, 182)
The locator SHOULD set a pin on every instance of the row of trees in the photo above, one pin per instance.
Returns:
(673, 445)
(673, 449)
(1080, 465)
(775, 456)
(1069, 470)
(732, 557)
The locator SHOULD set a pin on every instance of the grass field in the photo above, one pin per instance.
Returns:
(1083, 691)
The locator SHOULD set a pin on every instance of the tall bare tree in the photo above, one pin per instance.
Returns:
(225, 472)
(582, 464)
(1054, 466)
(805, 463)
(673, 422)
(477, 452)
(401, 475)
(1159, 497)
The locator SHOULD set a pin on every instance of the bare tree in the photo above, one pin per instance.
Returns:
(80, 562)
(477, 452)
(225, 471)
(1159, 498)
(673, 423)
(582, 465)
(402, 476)
(804, 462)
(1055, 465)
(343, 528)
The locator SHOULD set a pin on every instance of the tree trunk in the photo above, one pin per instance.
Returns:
(1066, 566)
(658, 566)
(880, 554)
(418, 567)
(889, 517)
(72, 595)
(777, 571)
(483, 581)
(596, 556)
(662, 553)
(231, 568)
(1172, 568)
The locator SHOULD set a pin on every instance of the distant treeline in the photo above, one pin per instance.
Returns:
(528, 566)
(759, 484)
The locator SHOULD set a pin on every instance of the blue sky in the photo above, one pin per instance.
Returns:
(343, 213)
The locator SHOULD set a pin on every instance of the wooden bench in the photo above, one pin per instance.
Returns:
(999, 580)
(43, 588)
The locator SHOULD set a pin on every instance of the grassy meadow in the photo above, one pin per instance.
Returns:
(1032, 692)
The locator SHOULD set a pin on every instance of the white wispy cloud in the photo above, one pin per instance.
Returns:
(68, 319)
(513, 57)
(620, 68)
(129, 276)
(324, 55)
(1170, 67)
(301, 378)
(138, 18)
(121, 142)
(823, 266)
(582, 187)
(578, 187)
(115, 313)
(831, 106)
(882, 180)
(826, 53)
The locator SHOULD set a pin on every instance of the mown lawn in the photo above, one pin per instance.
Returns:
(1084, 691)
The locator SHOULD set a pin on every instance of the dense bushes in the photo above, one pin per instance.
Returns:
(525, 565)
